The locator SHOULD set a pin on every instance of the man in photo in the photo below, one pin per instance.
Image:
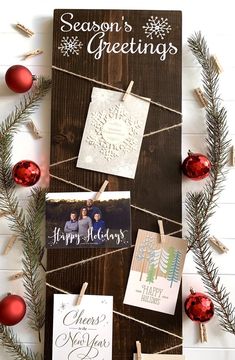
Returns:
(92, 209)
(71, 226)
(84, 224)
(99, 228)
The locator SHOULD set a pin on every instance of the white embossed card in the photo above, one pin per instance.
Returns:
(156, 271)
(113, 133)
(84, 331)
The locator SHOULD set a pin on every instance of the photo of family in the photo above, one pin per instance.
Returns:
(77, 220)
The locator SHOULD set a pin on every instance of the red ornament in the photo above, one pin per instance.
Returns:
(196, 166)
(12, 310)
(199, 307)
(19, 79)
(26, 173)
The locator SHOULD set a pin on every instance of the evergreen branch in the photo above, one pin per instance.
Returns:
(201, 206)
(26, 107)
(26, 224)
(12, 345)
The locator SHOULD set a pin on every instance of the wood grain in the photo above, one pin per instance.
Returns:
(156, 187)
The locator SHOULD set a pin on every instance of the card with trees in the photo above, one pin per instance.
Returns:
(156, 270)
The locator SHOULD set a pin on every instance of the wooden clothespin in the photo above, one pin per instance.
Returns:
(102, 189)
(138, 349)
(26, 31)
(2, 213)
(82, 292)
(200, 97)
(9, 244)
(32, 53)
(16, 276)
(218, 244)
(217, 64)
(161, 230)
(128, 90)
(33, 129)
(233, 155)
(203, 333)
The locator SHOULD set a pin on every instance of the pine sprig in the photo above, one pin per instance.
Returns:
(25, 223)
(12, 345)
(26, 107)
(201, 206)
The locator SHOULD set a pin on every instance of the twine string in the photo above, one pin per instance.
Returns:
(116, 88)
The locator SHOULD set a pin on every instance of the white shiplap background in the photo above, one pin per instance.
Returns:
(216, 21)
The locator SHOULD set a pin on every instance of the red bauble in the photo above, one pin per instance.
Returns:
(196, 166)
(26, 173)
(199, 307)
(19, 79)
(12, 310)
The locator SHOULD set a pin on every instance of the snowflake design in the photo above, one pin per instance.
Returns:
(113, 132)
(158, 27)
(70, 45)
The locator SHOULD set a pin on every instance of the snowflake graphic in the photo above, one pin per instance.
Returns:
(70, 45)
(113, 132)
(158, 27)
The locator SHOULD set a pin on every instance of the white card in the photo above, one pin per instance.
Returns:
(84, 331)
(159, 357)
(113, 133)
(156, 270)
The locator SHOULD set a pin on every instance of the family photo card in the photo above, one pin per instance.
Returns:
(76, 220)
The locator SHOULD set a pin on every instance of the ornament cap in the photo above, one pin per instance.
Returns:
(193, 292)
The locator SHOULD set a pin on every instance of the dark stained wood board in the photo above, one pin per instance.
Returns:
(156, 187)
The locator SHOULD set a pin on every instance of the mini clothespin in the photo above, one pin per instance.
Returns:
(217, 64)
(161, 230)
(218, 244)
(16, 276)
(200, 97)
(203, 333)
(102, 189)
(82, 292)
(33, 129)
(233, 156)
(26, 31)
(9, 244)
(138, 348)
(128, 90)
(32, 53)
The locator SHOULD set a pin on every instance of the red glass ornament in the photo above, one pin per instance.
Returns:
(12, 310)
(26, 173)
(196, 166)
(199, 307)
(19, 79)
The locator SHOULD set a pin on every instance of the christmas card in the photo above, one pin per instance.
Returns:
(107, 49)
(82, 331)
(76, 220)
(156, 270)
(113, 133)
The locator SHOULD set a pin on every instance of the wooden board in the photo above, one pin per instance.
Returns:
(156, 187)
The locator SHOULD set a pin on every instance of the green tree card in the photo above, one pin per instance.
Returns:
(156, 270)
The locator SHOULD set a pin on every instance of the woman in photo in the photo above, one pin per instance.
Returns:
(84, 224)
(71, 226)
